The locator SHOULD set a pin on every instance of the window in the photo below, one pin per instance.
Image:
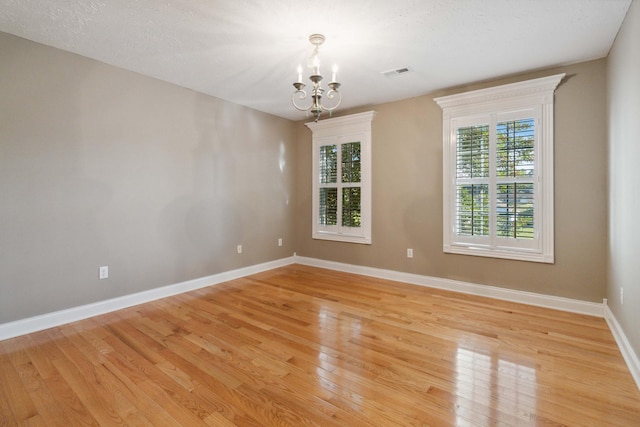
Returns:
(342, 178)
(498, 171)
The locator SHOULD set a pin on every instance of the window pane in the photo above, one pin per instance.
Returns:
(472, 217)
(328, 206)
(472, 152)
(515, 148)
(351, 207)
(514, 207)
(328, 164)
(351, 162)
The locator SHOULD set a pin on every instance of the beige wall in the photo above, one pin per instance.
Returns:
(624, 177)
(101, 166)
(407, 194)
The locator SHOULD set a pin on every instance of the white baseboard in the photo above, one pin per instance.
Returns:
(50, 320)
(633, 363)
(540, 300)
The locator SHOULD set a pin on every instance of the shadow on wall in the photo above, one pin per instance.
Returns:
(202, 225)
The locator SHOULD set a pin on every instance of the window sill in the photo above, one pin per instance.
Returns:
(336, 237)
(503, 254)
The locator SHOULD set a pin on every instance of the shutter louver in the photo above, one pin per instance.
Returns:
(472, 169)
(515, 168)
(472, 154)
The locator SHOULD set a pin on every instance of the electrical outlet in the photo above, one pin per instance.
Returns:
(409, 253)
(280, 241)
(239, 249)
(104, 272)
(621, 295)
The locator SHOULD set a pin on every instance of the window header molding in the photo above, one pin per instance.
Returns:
(351, 123)
(543, 87)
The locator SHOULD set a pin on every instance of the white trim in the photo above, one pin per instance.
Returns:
(540, 300)
(345, 124)
(477, 250)
(50, 320)
(470, 101)
(633, 363)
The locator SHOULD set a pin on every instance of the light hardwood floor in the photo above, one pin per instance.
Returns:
(299, 346)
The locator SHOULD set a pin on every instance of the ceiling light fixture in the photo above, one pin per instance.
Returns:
(317, 107)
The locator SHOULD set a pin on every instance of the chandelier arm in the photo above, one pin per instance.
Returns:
(302, 95)
(330, 95)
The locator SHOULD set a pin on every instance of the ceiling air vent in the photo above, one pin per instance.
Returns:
(395, 72)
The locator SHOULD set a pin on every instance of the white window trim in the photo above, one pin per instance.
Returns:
(536, 94)
(355, 127)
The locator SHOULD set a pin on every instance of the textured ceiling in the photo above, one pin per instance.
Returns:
(247, 51)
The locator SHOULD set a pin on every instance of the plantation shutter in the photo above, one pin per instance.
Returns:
(515, 186)
(343, 160)
(495, 200)
(472, 180)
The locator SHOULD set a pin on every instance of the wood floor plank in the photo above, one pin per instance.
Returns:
(55, 400)
(81, 375)
(20, 408)
(152, 381)
(7, 396)
(302, 346)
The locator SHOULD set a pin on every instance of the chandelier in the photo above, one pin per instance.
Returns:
(316, 107)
